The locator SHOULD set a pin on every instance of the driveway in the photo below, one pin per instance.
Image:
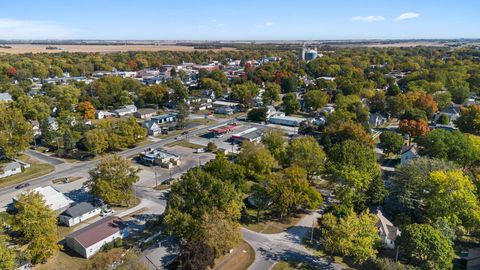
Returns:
(285, 246)
(44, 157)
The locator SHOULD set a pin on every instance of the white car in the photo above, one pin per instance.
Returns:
(107, 212)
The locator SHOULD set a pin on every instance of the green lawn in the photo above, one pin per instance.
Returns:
(184, 143)
(36, 169)
(269, 223)
(203, 121)
(240, 259)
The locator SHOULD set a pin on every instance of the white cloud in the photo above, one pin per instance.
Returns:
(368, 18)
(29, 29)
(407, 16)
(266, 24)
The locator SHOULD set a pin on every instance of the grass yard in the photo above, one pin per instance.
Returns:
(184, 143)
(36, 169)
(232, 116)
(268, 224)
(170, 134)
(162, 187)
(203, 121)
(283, 265)
(240, 259)
(74, 262)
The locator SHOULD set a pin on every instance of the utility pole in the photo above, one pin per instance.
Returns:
(396, 254)
(156, 178)
(313, 227)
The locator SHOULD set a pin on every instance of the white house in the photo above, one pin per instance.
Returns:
(12, 168)
(103, 114)
(408, 153)
(5, 97)
(78, 213)
(89, 240)
(152, 127)
(128, 109)
(386, 230)
(54, 199)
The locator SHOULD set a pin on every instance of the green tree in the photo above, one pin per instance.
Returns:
(7, 256)
(256, 158)
(198, 201)
(275, 142)
(216, 87)
(225, 170)
(196, 255)
(290, 191)
(289, 84)
(290, 103)
(180, 92)
(271, 94)
(454, 146)
(469, 120)
(15, 132)
(391, 142)
(220, 231)
(257, 114)
(352, 235)
(112, 180)
(96, 141)
(182, 116)
(37, 224)
(353, 163)
(315, 99)
(245, 93)
(305, 152)
(452, 195)
(409, 183)
(426, 247)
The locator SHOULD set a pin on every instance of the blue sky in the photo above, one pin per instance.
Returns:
(241, 19)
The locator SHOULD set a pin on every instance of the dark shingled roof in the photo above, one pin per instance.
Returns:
(97, 231)
(78, 210)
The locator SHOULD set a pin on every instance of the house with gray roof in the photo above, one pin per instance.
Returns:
(5, 97)
(388, 233)
(12, 168)
(78, 213)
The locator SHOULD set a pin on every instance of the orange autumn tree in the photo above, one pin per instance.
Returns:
(86, 110)
(425, 102)
(414, 128)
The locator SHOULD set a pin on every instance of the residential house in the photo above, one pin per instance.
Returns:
(36, 128)
(145, 113)
(78, 213)
(52, 123)
(152, 127)
(452, 112)
(90, 240)
(128, 109)
(376, 120)
(5, 97)
(54, 199)
(388, 233)
(12, 168)
(470, 260)
(224, 110)
(103, 114)
(409, 152)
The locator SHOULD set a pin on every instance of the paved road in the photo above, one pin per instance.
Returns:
(66, 169)
(44, 157)
(285, 246)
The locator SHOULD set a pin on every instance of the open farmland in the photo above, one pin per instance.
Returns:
(42, 48)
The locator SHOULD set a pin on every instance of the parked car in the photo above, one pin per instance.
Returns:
(107, 212)
(24, 185)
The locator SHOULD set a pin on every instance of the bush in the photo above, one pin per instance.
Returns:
(443, 119)
(211, 147)
(118, 243)
(107, 247)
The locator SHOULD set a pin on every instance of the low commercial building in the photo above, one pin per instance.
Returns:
(164, 118)
(159, 157)
(251, 135)
(89, 240)
(78, 213)
(145, 113)
(54, 199)
(286, 120)
(219, 131)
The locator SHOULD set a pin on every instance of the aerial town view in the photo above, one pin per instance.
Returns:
(240, 135)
